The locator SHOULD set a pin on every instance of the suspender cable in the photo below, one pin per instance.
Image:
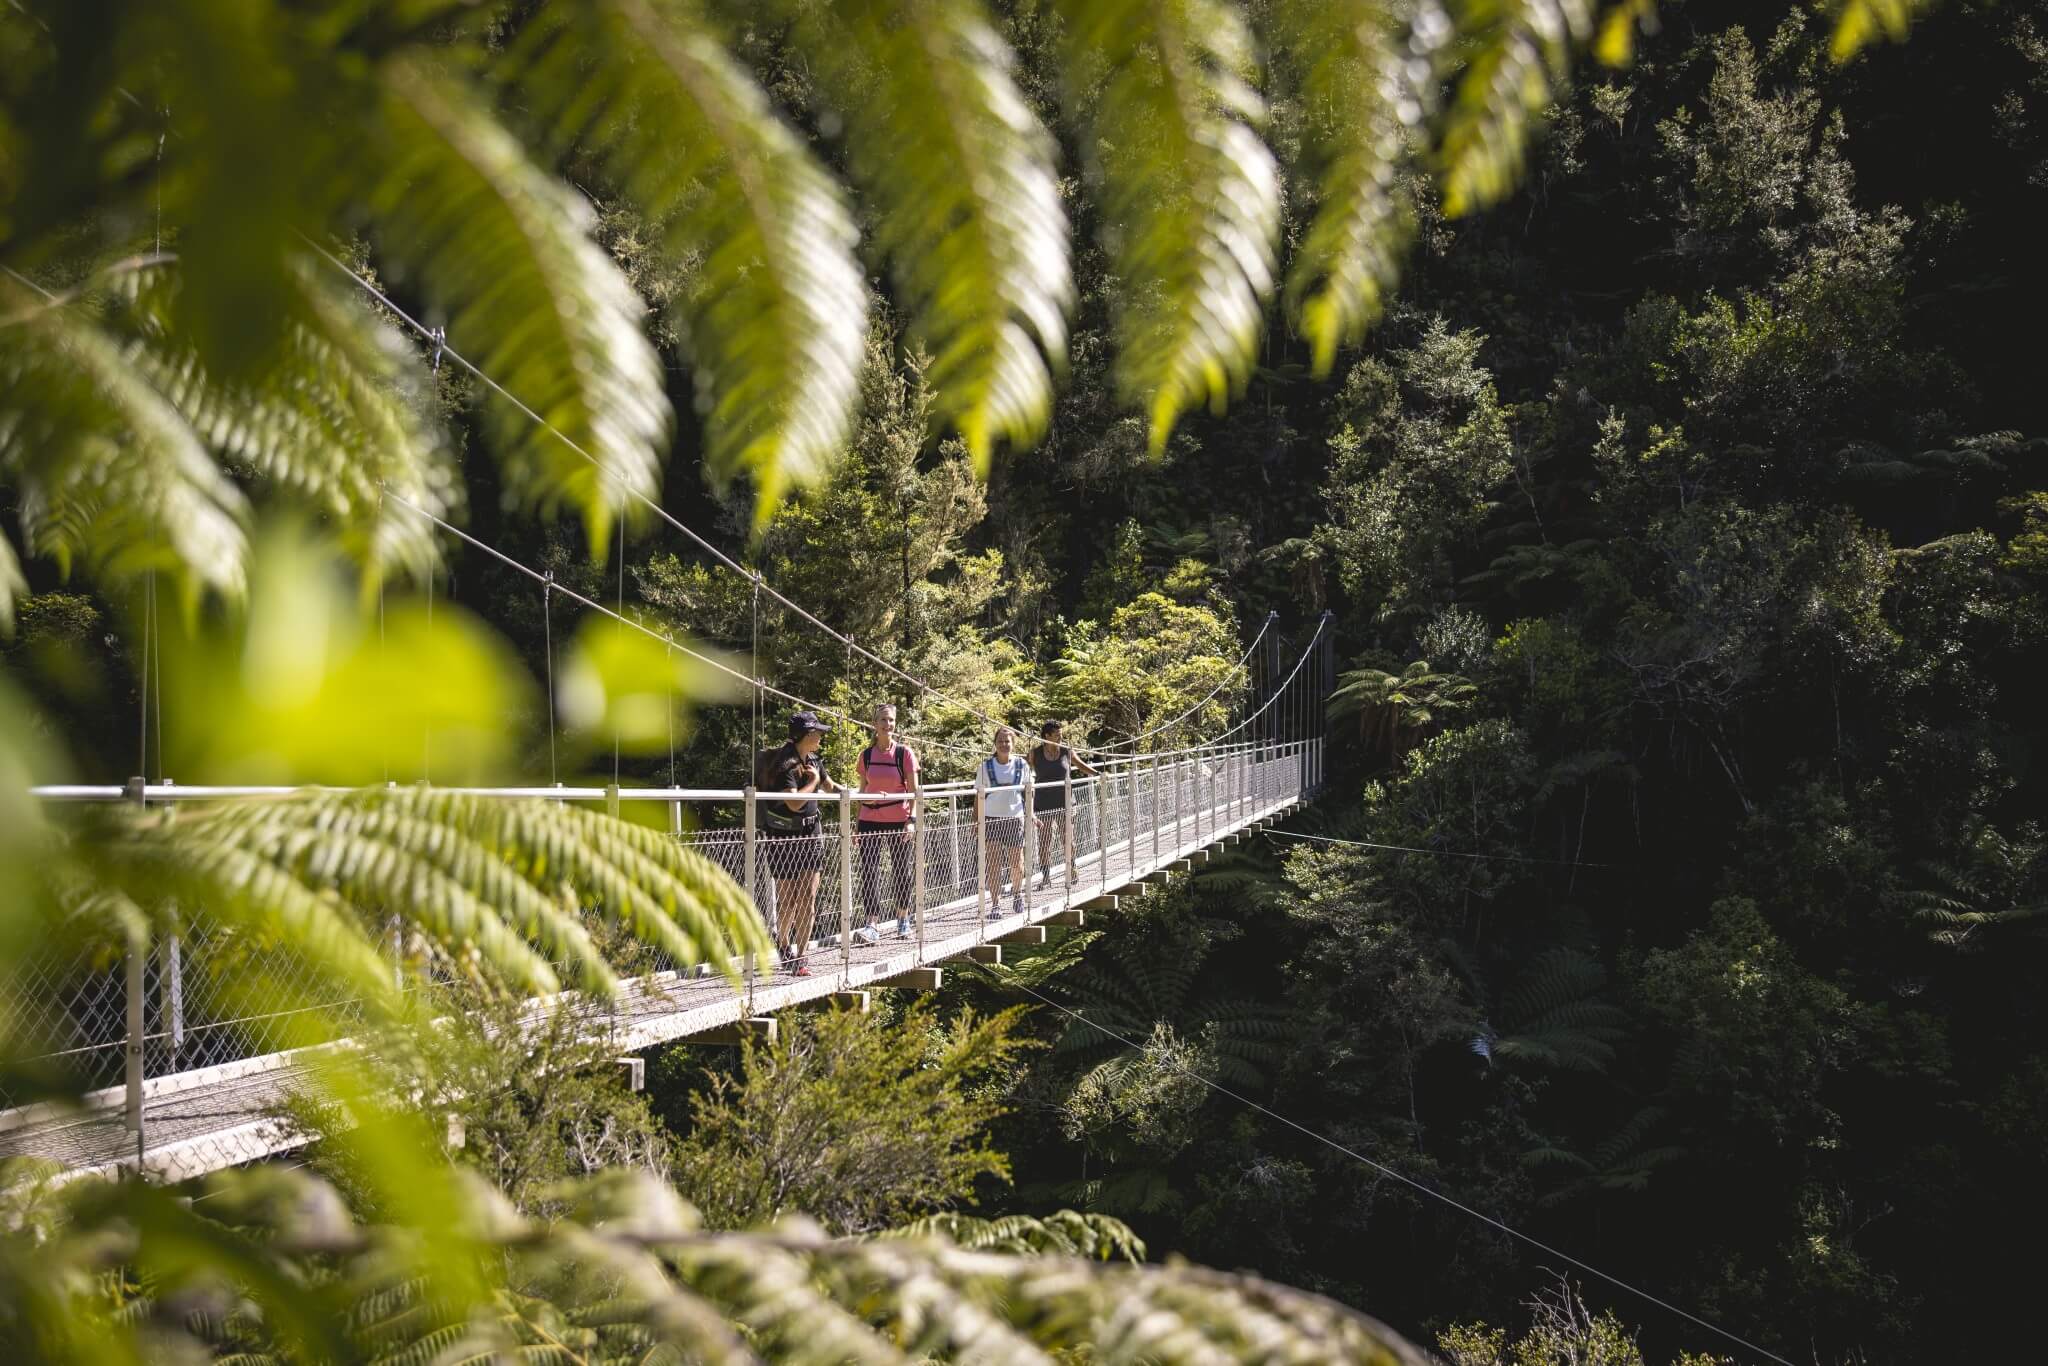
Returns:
(158, 670)
(754, 663)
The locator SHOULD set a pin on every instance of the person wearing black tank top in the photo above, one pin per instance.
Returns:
(1051, 764)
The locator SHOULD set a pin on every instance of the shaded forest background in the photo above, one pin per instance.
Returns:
(1705, 477)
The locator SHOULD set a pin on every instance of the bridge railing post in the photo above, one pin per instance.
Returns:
(915, 910)
(1132, 829)
(1101, 795)
(1027, 830)
(1152, 810)
(135, 1027)
(749, 839)
(1172, 793)
(1067, 820)
(846, 837)
(984, 874)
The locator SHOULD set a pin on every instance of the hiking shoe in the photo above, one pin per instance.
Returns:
(1017, 905)
(903, 928)
(799, 968)
(1045, 877)
(867, 934)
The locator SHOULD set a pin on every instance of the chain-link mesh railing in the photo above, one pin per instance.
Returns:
(213, 1015)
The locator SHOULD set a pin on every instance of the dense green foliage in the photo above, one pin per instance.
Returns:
(1682, 518)
(1683, 527)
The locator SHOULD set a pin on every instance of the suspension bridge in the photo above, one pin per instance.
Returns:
(189, 1082)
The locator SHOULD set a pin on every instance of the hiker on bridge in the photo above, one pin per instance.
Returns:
(1052, 763)
(886, 827)
(1002, 803)
(793, 841)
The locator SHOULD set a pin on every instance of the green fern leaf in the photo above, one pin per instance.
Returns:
(1353, 60)
(968, 203)
(503, 250)
(13, 585)
(1863, 22)
(1191, 196)
(334, 418)
(1515, 53)
(108, 472)
(776, 321)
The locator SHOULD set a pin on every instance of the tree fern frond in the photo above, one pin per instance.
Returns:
(969, 203)
(591, 1287)
(1515, 52)
(777, 319)
(503, 250)
(333, 417)
(1065, 1233)
(383, 859)
(772, 1293)
(1554, 978)
(1191, 196)
(1860, 23)
(108, 472)
(668, 896)
(147, 864)
(1353, 59)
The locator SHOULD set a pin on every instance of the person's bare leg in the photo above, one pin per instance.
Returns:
(995, 877)
(786, 912)
(805, 887)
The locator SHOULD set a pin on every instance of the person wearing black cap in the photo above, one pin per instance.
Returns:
(792, 841)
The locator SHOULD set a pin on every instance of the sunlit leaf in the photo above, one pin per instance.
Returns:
(502, 248)
(1191, 197)
(775, 321)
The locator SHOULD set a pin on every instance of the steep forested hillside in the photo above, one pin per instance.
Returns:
(1705, 477)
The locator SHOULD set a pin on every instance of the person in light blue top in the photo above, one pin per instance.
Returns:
(1002, 777)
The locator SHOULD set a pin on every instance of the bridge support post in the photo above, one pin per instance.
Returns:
(845, 884)
(983, 874)
(1027, 830)
(131, 1049)
(747, 863)
(1131, 800)
(1101, 802)
(1155, 809)
(1067, 831)
(915, 910)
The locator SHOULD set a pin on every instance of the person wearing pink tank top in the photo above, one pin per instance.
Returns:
(885, 827)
